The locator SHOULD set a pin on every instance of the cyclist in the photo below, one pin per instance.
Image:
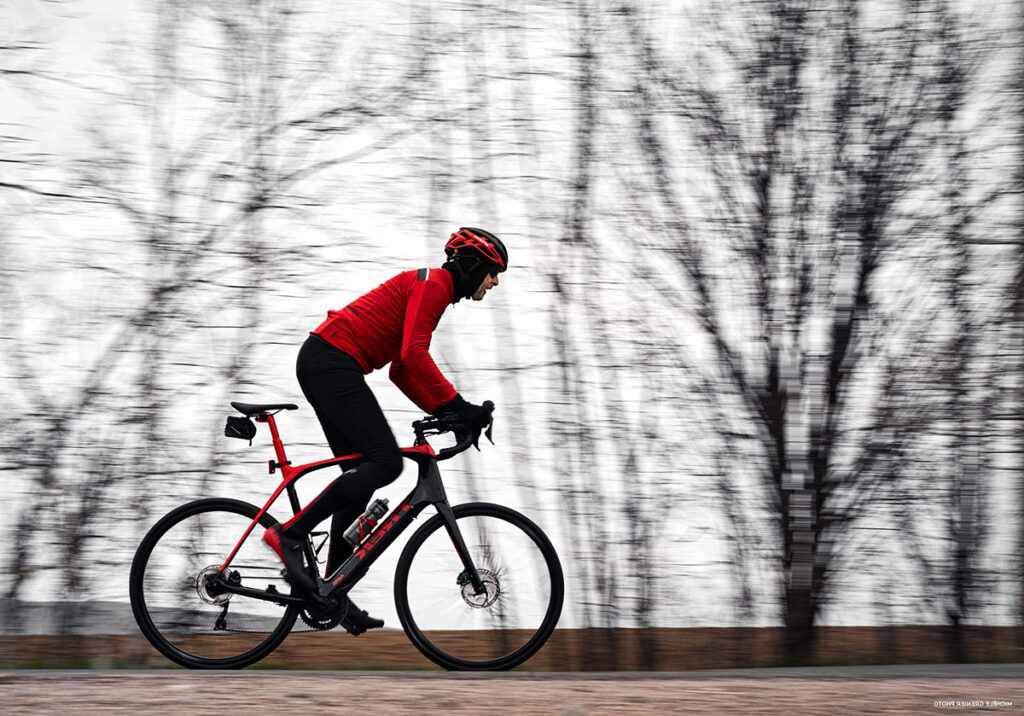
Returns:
(393, 324)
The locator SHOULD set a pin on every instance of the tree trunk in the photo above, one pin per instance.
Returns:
(1019, 323)
(799, 624)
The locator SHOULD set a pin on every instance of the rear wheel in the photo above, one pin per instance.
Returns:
(176, 601)
(502, 626)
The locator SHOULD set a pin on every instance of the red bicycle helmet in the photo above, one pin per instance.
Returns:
(479, 242)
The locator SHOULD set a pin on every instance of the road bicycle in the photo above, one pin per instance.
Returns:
(477, 587)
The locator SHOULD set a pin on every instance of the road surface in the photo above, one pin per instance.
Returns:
(940, 689)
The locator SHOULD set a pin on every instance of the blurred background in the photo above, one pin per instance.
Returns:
(758, 359)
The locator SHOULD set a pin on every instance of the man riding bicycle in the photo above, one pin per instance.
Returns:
(393, 324)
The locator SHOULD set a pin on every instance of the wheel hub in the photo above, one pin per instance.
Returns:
(206, 586)
(492, 589)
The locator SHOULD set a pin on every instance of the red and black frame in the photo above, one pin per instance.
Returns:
(429, 490)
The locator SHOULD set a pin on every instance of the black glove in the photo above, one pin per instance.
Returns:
(474, 417)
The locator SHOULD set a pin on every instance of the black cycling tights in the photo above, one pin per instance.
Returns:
(353, 422)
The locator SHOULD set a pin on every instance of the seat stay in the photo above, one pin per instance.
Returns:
(287, 480)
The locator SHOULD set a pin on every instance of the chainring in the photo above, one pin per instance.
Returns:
(322, 621)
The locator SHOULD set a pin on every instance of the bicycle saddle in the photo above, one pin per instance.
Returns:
(250, 409)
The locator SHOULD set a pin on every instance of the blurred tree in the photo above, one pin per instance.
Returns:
(1018, 337)
(26, 46)
(197, 152)
(963, 579)
(819, 131)
(748, 276)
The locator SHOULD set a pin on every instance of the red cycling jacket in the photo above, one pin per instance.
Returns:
(393, 324)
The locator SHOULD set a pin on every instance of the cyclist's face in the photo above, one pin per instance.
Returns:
(486, 285)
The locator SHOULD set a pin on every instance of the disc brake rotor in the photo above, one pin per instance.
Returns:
(491, 589)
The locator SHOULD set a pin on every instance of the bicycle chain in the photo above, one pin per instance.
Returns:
(256, 631)
(322, 625)
(253, 631)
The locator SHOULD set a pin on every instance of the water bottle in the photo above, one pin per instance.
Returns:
(360, 529)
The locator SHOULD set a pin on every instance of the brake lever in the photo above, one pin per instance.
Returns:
(490, 426)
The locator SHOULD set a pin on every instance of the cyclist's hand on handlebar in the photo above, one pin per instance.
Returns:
(468, 420)
(474, 417)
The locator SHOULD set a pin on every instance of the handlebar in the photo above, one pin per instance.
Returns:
(449, 422)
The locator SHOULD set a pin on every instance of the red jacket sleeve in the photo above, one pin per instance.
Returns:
(415, 372)
(415, 392)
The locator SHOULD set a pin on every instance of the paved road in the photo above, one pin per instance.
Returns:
(849, 690)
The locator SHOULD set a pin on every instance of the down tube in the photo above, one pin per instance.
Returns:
(379, 540)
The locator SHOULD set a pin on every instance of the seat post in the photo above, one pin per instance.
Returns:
(268, 418)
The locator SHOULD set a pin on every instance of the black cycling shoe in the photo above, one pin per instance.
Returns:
(356, 620)
(289, 550)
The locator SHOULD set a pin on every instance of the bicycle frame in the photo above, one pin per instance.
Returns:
(429, 490)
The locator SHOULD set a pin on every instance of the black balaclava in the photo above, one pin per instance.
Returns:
(468, 272)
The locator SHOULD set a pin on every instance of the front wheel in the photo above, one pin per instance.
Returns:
(176, 601)
(499, 628)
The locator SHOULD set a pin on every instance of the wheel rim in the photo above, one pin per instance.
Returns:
(497, 628)
(197, 624)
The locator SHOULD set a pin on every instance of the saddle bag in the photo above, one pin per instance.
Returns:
(241, 428)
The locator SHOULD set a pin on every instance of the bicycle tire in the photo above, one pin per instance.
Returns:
(165, 594)
(500, 629)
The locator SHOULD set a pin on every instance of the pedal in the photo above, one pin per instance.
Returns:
(365, 621)
(351, 627)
